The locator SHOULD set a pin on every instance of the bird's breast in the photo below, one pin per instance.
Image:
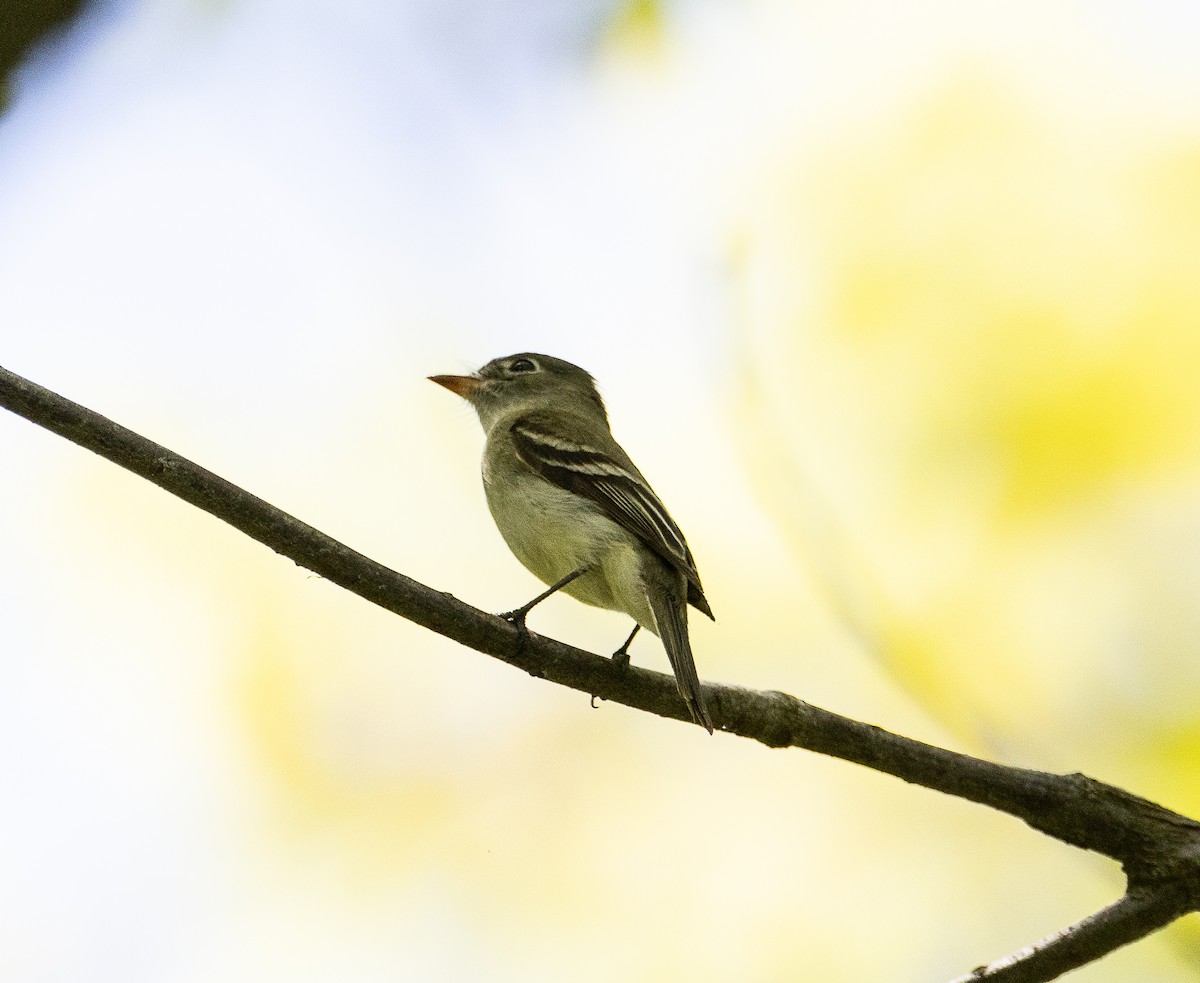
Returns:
(554, 532)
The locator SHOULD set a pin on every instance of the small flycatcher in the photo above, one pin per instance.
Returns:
(575, 510)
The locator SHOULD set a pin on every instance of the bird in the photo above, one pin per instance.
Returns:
(576, 511)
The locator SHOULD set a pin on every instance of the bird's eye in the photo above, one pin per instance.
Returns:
(522, 365)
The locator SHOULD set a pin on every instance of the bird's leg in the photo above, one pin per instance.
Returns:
(621, 655)
(517, 615)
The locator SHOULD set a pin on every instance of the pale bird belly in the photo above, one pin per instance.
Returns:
(554, 532)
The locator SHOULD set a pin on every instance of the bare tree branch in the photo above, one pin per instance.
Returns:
(1158, 849)
(1132, 917)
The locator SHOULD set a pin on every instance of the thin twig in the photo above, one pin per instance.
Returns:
(1159, 849)
(1132, 917)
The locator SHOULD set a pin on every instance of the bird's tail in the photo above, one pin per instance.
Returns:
(670, 614)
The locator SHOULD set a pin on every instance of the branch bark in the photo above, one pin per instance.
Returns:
(1139, 912)
(1158, 849)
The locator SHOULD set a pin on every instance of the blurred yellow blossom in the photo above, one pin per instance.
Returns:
(981, 318)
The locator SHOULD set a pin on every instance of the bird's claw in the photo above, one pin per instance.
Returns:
(516, 618)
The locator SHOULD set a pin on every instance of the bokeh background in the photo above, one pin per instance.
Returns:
(896, 305)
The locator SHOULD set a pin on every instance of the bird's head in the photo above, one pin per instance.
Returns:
(519, 381)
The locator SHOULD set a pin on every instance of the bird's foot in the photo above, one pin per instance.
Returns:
(516, 618)
(621, 655)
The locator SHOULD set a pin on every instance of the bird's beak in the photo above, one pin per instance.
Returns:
(461, 385)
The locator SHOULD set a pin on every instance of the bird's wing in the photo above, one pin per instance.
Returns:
(615, 486)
